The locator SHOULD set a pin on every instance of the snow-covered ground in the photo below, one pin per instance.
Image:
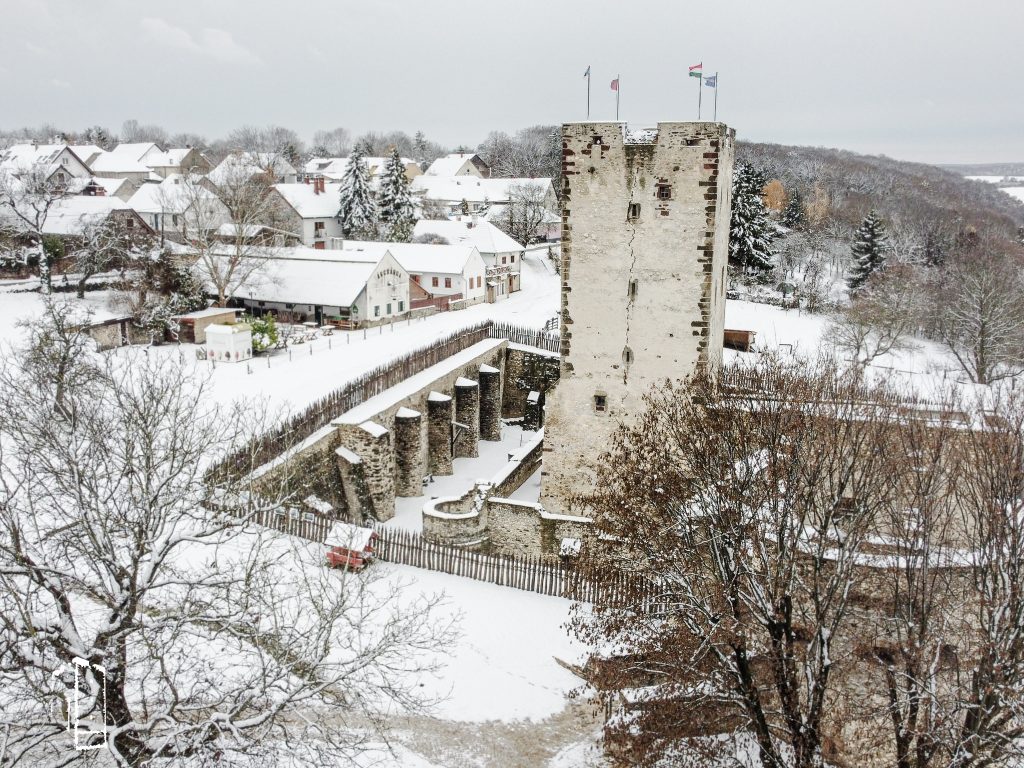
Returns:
(465, 474)
(1017, 192)
(290, 380)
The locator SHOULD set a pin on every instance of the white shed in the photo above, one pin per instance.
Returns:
(229, 343)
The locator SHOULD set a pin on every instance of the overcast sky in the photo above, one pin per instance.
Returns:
(928, 80)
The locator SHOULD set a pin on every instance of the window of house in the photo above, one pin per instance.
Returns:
(174, 219)
(433, 282)
(389, 308)
(503, 259)
(401, 306)
(600, 402)
(319, 226)
(130, 223)
(376, 311)
(447, 282)
(664, 191)
(633, 212)
(512, 259)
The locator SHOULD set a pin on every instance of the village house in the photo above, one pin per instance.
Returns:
(166, 162)
(96, 186)
(143, 161)
(333, 168)
(502, 255)
(241, 166)
(460, 164)
(311, 210)
(61, 162)
(441, 273)
(349, 289)
(174, 208)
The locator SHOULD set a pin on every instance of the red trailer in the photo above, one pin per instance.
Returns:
(350, 546)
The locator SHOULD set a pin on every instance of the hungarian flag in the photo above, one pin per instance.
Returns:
(695, 70)
(615, 84)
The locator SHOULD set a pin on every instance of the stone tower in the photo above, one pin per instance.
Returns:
(645, 240)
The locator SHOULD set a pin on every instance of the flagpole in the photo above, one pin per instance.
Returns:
(700, 92)
(716, 98)
(618, 90)
(588, 93)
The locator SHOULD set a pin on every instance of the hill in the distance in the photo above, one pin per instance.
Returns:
(986, 169)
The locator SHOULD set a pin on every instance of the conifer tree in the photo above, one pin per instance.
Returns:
(793, 216)
(397, 215)
(869, 248)
(419, 147)
(751, 231)
(357, 213)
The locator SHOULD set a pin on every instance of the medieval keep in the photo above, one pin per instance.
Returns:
(645, 238)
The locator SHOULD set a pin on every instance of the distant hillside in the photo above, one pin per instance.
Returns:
(911, 196)
(987, 169)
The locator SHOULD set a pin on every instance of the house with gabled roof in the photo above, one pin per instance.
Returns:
(311, 210)
(460, 164)
(62, 164)
(349, 288)
(502, 255)
(241, 166)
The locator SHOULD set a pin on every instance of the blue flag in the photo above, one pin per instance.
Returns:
(711, 81)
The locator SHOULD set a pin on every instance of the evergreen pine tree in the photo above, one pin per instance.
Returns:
(357, 213)
(419, 148)
(750, 231)
(397, 215)
(869, 246)
(793, 216)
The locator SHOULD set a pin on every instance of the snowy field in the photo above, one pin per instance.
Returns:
(1017, 192)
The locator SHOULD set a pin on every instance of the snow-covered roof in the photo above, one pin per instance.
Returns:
(485, 236)
(169, 196)
(86, 152)
(243, 165)
(164, 158)
(124, 158)
(457, 188)
(415, 258)
(21, 157)
(335, 166)
(354, 537)
(301, 275)
(110, 186)
(450, 165)
(70, 215)
(308, 203)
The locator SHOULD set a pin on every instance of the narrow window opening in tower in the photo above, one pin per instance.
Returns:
(627, 355)
(633, 212)
(600, 402)
(633, 288)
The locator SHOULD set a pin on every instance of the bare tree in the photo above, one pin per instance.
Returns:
(105, 243)
(880, 320)
(980, 310)
(181, 634)
(27, 196)
(524, 212)
(746, 512)
(132, 133)
(223, 229)
(333, 143)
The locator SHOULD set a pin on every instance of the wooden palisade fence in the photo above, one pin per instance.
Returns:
(546, 576)
(374, 382)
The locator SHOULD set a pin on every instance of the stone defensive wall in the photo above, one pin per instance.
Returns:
(485, 520)
(355, 466)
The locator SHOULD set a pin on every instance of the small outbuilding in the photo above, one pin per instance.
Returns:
(229, 343)
(192, 326)
(350, 546)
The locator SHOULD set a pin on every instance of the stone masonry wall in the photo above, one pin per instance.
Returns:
(644, 247)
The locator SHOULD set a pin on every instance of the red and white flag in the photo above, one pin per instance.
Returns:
(615, 84)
